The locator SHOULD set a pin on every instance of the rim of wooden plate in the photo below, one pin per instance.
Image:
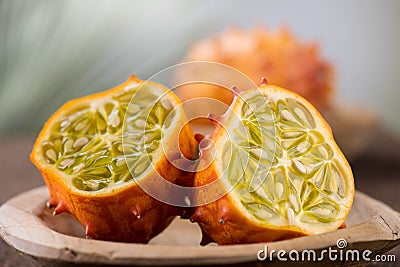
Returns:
(374, 225)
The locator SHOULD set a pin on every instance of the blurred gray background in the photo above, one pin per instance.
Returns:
(52, 51)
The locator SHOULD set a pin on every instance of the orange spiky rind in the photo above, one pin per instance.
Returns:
(263, 81)
(127, 213)
(228, 221)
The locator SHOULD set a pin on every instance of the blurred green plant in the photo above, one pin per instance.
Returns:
(52, 51)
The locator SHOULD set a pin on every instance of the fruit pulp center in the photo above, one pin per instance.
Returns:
(284, 171)
(94, 142)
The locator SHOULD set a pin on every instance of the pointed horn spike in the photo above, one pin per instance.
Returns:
(59, 209)
(224, 217)
(136, 212)
(88, 231)
(48, 204)
(197, 216)
(51, 203)
(223, 213)
(263, 81)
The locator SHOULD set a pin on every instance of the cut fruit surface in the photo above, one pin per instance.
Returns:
(93, 151)
(284, 174)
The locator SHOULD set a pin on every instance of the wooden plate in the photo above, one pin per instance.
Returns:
(28, 226)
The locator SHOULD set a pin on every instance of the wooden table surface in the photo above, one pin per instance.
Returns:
(377, 173)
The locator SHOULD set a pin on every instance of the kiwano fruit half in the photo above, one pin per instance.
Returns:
(93, 149)
(278, 169)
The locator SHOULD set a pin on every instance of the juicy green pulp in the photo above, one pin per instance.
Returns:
(279, 161)
(95, 144)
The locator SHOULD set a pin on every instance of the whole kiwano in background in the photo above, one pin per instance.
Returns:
(279, 56)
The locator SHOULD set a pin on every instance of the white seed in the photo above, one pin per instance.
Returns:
(141, 167)
(80, 126)
(79, 167)
(279, 189)
(155, 91)
(119, 162)
(299, 112)
(288, 116)
(140, 123)
(260, 191)
(132, 108)
(270, 144)
(66, 163)
(290, 134)
(302, 147)
(299, 166)
(293, 200)
(290, 215)
(261, 213)
(130, 87)
(51, 154)
(149, 137)
(166, 103)
(92, 184)
(268, 118)
(65, 123)
(99, 171)
(259, 153)
(324, 212)
(113, 118)
(323, 152)
(68, 145)
(80, 142)
(187, 201)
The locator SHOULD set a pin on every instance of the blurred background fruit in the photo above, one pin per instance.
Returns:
(277, 55)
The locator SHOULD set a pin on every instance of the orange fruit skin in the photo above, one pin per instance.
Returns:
(128, 214)
(222, 222)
